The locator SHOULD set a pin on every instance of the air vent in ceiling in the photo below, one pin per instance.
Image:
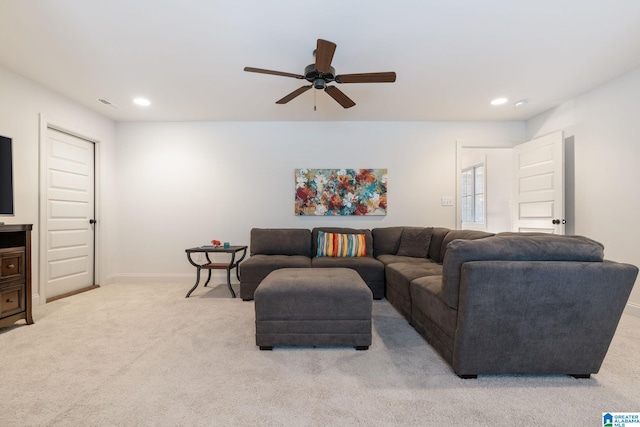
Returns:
(107, 102)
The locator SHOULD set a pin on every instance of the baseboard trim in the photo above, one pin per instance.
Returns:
(167, 278)
(151, 278)
(632, 309)
(69, 294)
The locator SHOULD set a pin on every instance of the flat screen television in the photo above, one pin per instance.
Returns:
(6, 177)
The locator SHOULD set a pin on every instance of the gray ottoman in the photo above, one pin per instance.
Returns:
(313, 307)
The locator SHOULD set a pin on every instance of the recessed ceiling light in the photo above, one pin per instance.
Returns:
(143, 102)
(499, 101)
(521, 103)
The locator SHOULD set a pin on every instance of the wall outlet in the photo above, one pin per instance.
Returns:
(446, 201)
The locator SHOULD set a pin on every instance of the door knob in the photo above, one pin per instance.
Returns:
(92, 221)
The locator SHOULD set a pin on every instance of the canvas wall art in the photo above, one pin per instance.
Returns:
(341, 192)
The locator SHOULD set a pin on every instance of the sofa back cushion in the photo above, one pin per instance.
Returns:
(437, 236)
(415, 242)
(386, 240)
(280, 241)
(341, 230)
(513, 247)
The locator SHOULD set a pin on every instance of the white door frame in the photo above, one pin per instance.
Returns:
(460, 146)
(40, 294)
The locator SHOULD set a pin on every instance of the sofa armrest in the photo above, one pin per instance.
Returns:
(520, 247)
(532, 317)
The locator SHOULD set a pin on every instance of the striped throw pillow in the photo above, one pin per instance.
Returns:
(341, 245)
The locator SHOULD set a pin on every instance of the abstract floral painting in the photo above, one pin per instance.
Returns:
(341, 192)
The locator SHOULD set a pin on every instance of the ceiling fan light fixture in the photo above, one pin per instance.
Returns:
(319, 83)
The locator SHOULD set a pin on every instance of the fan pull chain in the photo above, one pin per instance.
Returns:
(315, 94)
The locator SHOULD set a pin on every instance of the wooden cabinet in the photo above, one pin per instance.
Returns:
(15, 274)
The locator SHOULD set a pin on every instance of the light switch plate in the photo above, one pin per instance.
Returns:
(446, 201)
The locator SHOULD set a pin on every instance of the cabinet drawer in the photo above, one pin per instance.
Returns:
(12, 300)
(11, 266)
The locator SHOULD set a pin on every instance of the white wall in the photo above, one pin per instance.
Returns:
(605, 126)
(183, 184)
(21, 104)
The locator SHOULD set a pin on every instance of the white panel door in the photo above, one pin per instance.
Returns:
(70, 209)
(539, 185)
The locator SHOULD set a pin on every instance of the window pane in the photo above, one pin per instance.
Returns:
(467, 209)
(467, 183)
(479, 179)
(479, 208)
(472, 194)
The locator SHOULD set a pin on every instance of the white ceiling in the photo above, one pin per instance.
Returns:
(451, 57)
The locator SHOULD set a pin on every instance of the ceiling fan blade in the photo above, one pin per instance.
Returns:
(324, 55)
(293, 94)
(275, 73)
(339, 96)
(387, 77)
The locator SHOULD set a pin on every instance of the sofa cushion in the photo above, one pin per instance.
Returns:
(341, 245)
(414, 242)
(431, 316)
(386, 240)
(281, 241)
(370, 269)
(399, 276)
(392, 259)
(257, 267)
(341, 230)
(513, 248)
(435, 247)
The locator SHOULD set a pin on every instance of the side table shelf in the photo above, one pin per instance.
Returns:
(233, 250)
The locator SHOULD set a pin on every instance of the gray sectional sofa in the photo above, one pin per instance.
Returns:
(275, 248)
(510, 303)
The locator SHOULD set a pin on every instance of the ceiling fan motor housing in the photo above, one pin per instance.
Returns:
(317, 78)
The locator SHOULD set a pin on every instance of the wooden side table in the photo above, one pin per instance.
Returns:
(233, 250)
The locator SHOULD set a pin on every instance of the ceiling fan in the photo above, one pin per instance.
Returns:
(322, 73)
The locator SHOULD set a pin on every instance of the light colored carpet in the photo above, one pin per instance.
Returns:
(143, 355)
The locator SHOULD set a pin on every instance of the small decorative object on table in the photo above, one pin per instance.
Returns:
(216, 243)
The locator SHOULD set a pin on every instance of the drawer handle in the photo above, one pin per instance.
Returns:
(11, 265)
(9, 300)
